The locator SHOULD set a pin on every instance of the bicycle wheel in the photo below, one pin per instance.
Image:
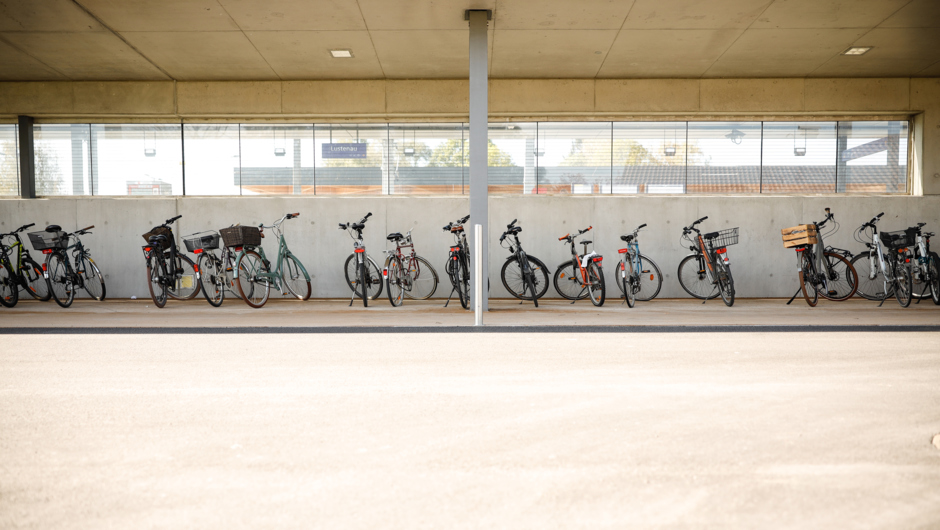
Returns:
(9, 287)
(36, 284)
(725, 282)
(462, 271)
(396, 281)
(60, 279)
(567, 282)
(92, 280)
(514, 281)
(806, 275)
(596, 286)
(651, 279)
(903, 285)
(156, 274)
(933, 268)
(254, 290)
(295, 277)
(870, 286)
(184, 284)
(694, 278)
(212, 278)
(423, 279)
(840, 281)
(626, 276)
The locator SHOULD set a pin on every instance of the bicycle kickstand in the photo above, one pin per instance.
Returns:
(352, 298)
(452, 291)
(792, 298)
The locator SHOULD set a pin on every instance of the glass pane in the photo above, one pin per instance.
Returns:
(872, 156)
(137, 159)
(351, 159)
(724, 157)
(574, 157)
(277, 159)
(9, 160)
(427, 159)
(511, 158)
(212, 159)
(649, 157)
(799, 157)
(62, 159)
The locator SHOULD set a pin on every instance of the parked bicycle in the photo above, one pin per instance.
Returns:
(362, 274)
(64, 278)
(822, 270)
(253, 274)
(458, 263)
(18, 270)
(706, 273)
(215, 272)
(886, 256)
(406, 273)
(582, 275)
(524, 276)
(925, 266)
(169, 273)
(639, 276)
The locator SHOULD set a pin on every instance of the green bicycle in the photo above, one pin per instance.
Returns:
(253, 273)
(19, 270)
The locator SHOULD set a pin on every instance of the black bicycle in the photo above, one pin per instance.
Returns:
(362, 274)
(64, 278)
(20, 271)
(169, 273)
(706, 273)
(524, 276)
(458, 263)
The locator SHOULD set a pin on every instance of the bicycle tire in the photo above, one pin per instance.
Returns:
(694, 280)
(294, 276)
(33, 280)
(843, 280)
(514, 282)
(363, 286)
(212, 278)
(530, 284)
(184, 286)
(649, 288)
(567, 282)
(60, 281)
(627, 278)
(373, 276)
(156, 272)
(903, 284)
(725, 282)
(254, 291)
(933, 265)
(92, 280)
(424, 279)
(395, 288)
(868, 287)
(810, 293)
(597, 288)
(9, 286)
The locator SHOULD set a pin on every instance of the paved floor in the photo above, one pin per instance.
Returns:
(280, 313)
(507, 430)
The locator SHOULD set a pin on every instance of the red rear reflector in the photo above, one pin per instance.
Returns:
(197, 251)
(196, 267)
(800, 249)
(47, 251)
(721, 251)
(238, 249)
(44, 267)
(651, 277)
(623, 250)
(599, 258)
(147, 249)
(454, 249)
(908, 260)
(360, 250)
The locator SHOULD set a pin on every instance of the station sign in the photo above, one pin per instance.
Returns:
(357, 150)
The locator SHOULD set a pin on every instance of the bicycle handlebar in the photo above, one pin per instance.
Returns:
(83, 231)
(641, 226)
(464, 220)
(172, 219)
(513, 223)
(24, 227)
(292, 215)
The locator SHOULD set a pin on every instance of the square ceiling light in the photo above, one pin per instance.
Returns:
(341, 54)
(857, 50)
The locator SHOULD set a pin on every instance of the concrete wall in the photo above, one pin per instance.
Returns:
(762, 267)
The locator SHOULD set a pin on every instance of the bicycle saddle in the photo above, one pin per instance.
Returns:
(585, 242)
(627, 238)
(711, 235)
(395, 237)
(157, 239)
(53, 228)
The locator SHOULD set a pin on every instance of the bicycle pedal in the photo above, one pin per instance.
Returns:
(832, 293)
(645, 272)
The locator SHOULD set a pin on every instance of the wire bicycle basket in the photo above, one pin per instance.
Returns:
(202, 241)
(48, 240)
(724, 238)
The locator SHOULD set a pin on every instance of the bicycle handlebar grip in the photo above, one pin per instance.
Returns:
(172, 219)
(641, 226)
(342, 226)
(564, 237)
(510, 225)
(879, 215)
(702, 219)
(87, 228)
(464, 220)
(24, 227)
(368, 215)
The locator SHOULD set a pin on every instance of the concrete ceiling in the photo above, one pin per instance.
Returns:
(190, 40)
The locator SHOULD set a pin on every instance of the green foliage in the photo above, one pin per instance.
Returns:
(453, 154)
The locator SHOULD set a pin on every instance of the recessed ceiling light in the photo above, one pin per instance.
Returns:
(341, 53)
(857, 50)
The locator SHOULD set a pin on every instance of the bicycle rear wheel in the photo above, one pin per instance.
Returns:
(36, 284)
(212, 278)
(92, 280)
(596, 286)
(295, 277)
(253, 288)
(626, 276)
(395, 289)
(806, 275)
(840, 281)
(903, 285)
(933, 268)
(424, 279)
(694, 278)
(60, 279)
(651, 279)
(463, 281)
(725, 282)
(870, 286)
(9, 287)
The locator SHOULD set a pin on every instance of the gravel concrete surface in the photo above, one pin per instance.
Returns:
(604, 430)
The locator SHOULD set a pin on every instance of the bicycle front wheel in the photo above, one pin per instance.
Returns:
(295, 277)
(184, 284)
(212, 278)
(651, 279)
(725, 283)
(396, 279)
(933, 269)
(60, 279)
(694, 278)
(903, 284)
(806, 275)
(869, 285)
(35, 282)
(839, 279)
(462, 275)
(423, 279)
(567, 282)
(92, 280)
(596, 287)
(254, 289)
(627, 279)
(9, 287)
(156, 278)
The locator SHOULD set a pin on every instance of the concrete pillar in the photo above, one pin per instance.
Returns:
(479, 180)
(27, 158)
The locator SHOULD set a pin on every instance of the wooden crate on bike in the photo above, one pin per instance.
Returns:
(799, 235)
